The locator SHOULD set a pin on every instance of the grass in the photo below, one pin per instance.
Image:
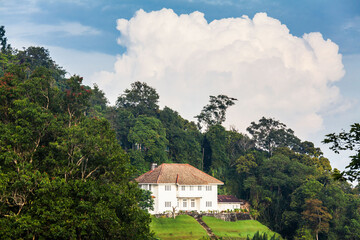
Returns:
(238, 229)
(182, 227)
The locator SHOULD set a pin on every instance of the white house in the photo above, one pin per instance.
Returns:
(228, 202)
(181, 186)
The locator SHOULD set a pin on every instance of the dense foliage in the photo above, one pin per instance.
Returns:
(63, 174)
(288, 182)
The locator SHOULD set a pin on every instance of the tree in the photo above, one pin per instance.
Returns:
(347, 141)
(5, 47)
(214, 113)
(237, 144)
(316, 216)
(33, 57)
(6, 56)
(184, 138)
(141, 99)
(76, 99)
(149, 136)
(215, 157)
(62, 173)
(269, 134)
(245, 164)
(122, 121)
(97, 103)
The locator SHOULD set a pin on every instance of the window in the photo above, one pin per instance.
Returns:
(149, 187)
(192, 203)
(167, 204)
(191, 188)
(167, 187)
(182, 188)
(199, 188)
(184, 202)
(208, 188)
(208, 204)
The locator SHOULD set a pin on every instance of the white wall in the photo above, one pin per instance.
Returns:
(166, 196)
(228, 206)
(176, 193)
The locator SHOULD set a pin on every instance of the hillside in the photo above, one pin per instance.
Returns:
(186, 227)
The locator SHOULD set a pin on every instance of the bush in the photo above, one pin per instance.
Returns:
(264, 236)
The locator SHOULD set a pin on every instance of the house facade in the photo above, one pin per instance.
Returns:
(181, 187)
(228, 202)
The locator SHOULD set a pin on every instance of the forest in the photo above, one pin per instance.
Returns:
(68, 159)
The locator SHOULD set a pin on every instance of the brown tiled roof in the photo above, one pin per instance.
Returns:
(227, 198)
(183, 174)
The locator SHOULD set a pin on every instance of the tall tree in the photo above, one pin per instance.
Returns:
(269, 134)
(6, 53)
(141, 99)
(215, 112)
(316, 216)
(5, 47)
(347, 141)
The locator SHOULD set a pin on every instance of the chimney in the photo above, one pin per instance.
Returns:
(153, 166)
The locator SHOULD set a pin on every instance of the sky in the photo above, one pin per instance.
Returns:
(295, 61)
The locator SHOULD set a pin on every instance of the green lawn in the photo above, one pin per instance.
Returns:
(239, 229)
(182, 227)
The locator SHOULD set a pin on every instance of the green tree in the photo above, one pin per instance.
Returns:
(347, 141)
(215, 157)
(245, 164)
(5, 47)
(33, 57)
(184, 138)
(141, 99)
(269, 134)
(97, 103)
(215, 112)
(237, 144)
(149, 136)
(6, 56)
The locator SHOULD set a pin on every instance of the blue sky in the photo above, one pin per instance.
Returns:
(82, 36)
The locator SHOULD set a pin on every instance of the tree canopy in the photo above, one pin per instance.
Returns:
(347, 141)
(215, 112)
(62, 172)
(269, 134)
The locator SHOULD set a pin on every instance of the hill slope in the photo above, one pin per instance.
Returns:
(186, 227)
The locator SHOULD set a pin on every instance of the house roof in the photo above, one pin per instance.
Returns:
(227, 198)
(182, 174)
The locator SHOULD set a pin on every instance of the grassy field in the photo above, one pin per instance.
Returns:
(239, 229)
(182, 227)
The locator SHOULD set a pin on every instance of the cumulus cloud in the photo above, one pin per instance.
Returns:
(271, 72)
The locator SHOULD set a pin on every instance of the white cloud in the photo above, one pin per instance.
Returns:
(271, 72)
(28, 29)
